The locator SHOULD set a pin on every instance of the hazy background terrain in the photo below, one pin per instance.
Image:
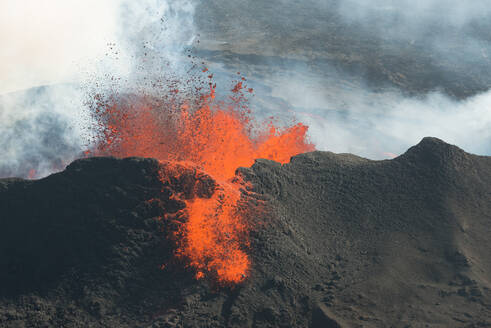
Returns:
(368, 78)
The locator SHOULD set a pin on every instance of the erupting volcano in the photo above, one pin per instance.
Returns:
(158, 169)
(207, 138)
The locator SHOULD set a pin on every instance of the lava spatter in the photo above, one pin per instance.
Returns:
(211, 140)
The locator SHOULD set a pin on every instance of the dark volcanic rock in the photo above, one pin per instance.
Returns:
(344, 242)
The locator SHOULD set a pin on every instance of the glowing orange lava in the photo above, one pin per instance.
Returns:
(215, 235)
(213, 139)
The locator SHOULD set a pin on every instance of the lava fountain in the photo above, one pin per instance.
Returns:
(202, 138)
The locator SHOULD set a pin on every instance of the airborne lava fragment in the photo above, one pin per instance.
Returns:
(211, 140)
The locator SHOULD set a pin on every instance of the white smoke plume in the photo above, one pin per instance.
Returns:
(384, 125)
(71, 48)
(41, 130)
(346, 117)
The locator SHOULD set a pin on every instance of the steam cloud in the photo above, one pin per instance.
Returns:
(41, 130)
(76, 48)
(380, 125)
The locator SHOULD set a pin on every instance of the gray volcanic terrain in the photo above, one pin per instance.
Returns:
(344, 242)
(383, 47)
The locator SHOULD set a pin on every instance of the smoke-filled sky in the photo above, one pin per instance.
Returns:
(72, 48)
(45, 42)
(73, 44)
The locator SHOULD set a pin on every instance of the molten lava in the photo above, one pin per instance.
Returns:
(212, 139)
(215, 235)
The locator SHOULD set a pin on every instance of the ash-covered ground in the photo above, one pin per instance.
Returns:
(343, 242)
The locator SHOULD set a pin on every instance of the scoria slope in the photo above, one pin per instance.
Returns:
(338, 241)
